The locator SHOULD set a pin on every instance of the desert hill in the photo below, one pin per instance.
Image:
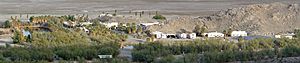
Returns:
(263, 19)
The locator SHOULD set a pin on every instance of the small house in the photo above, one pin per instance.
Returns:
(109, 25)
(287, 35)
(158, 34)
(238, 33)
(69, 24)
(149, 24)
(192, 35)
(214, 34)
(182, 35)
(103, 15)
(277, 36)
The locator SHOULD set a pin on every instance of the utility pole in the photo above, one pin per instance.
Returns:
(27, 16)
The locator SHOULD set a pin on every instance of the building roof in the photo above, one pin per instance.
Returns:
(289, 34)
(214, 33)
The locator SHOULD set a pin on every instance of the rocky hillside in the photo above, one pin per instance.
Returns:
(262, 19)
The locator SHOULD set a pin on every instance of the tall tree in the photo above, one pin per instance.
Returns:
(139, 29)
(133, 29)
(228, 32)
(297, 32)
(197, 30)
(204, 29)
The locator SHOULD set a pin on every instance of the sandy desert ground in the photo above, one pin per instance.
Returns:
(93, 7)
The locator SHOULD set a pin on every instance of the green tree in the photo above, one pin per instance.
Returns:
(29, 38)
(203, 29)
(115, 14)
(18, 37)
(227, 32)
(160, 17)
(134, 29)
(297, 32)
(197, 30)
(7, 24)
(129, 30)
(149, 39)
(139, 29)
(128, 24)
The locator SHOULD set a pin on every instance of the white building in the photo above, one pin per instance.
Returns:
(149, 24)
(214, 34)
(238, 33)
(108, 25)
(192, 35)
(102, 15)
(69, 24)
(182, 35)
(288, 35)
(277, 36)
(159, 34)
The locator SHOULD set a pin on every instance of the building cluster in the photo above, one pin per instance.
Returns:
(161, 35)
(286, 35)
(157, 34)
(233, 34)
(213, 34)
(111, 24)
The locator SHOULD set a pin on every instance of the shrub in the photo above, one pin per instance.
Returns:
(42, 54)
(17, 54)
(7, 24)
(158, 16)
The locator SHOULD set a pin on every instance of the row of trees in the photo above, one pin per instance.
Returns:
(248, 55)
(213, 51)
(74, 52)
(130, 28)
(7, 24)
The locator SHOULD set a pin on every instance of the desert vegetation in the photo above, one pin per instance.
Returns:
(216, 51)
(55, 42)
